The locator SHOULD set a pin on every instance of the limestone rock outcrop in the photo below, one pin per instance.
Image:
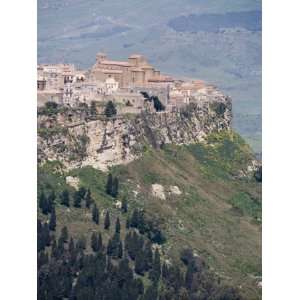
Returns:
(76, 140)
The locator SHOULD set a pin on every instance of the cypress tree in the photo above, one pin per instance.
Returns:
(115, 187)
(107, 221)
(43, 203)
(140, 264)
(52, 222)
(110, 109)
(71, 246)
(134, 222)
(61, 246)
(110, 247)
(120, 250)
(95, 242)
(189, 275)
(43, 259)
(125, 273)
(127, 223)
(51, 198)
(77, 199)
(88, 199)
(95, 214)
(54, 250)
(109, 184)
(124, 206)
(155, 273)
(118, 226)
(114, 246)
(81, 243)
(46, 235)
(148, 256)
(100, 240)
(65, 198)
(82, 192)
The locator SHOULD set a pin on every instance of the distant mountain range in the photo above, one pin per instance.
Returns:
(215, 40)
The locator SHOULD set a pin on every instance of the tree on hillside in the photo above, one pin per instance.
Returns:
(109, 184)
(140, 263)
(51, 197)
(110, 109)
(115, 187)
(157, 104)
(134, 221)
(120, 250)
(82, 192)
(258, 174)
(95, 245)
(107, 221)
(156, 271)
(52, 222)
(118, 226)
(43, 202)
(65, 198)
(124, 205)
(88, 199)
(95, 214)
(77, 199)
(148, 256)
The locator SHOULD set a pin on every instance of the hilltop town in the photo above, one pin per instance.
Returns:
(126, 83)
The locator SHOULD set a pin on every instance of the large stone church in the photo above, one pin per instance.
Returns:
(136, 71)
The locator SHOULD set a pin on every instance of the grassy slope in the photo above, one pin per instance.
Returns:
(216, 215)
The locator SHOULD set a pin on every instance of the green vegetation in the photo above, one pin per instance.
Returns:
(158, 106)
(46, 133)
(217, 213)
(224, 154)
(246, 205)
(110, 109)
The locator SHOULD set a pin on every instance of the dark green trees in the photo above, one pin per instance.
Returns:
(157, 104)
(46, 202)
(112, 186)
(115, 187)
(109, 184)
(107, 221)
(96, 242)
(118, 226)
(88, 199)
(95, 214)
(77, 199)
(110, 109)
(156, 271)
(124, 206)
(65, 198)
(52, 222)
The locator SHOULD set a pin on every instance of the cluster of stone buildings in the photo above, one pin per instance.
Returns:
(119, 81)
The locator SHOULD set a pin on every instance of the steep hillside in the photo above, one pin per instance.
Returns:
(202, 196)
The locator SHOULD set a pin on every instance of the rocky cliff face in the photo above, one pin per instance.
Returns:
(75, 139)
